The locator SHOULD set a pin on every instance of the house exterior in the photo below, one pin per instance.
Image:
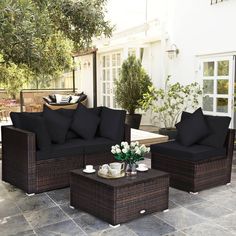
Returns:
(203, 33)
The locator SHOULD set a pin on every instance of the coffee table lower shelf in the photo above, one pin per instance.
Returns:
(120, 200)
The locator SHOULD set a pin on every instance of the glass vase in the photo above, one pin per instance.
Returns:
(131, 169)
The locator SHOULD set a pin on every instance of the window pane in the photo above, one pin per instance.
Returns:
(104, 88)
(207, 103)
(222, 86)
(108, 74)
(114, 74)
(208, 86)
(108, 88)
(113, 59)
(107, 61)
(104, 101)
(208, 68)
(222, 105)
(108, 101)
(118, 59)
(114, 102)
(103, 74)
(103, 61)
(223, 68)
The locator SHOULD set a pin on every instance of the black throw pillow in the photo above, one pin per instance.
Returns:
(85, 122)
(112, 124)
(69, 113)
(192, 129)
(218, 126)
(35, 124)
(57, 124)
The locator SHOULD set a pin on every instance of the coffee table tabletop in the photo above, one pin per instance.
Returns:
(147, 138)
(123, 181)
(120, 200)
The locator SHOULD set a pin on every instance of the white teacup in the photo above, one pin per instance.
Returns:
(104, 169)
(142, 166)
(117, 166)
(89, 167)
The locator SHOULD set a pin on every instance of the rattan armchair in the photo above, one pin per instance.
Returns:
(194, 176)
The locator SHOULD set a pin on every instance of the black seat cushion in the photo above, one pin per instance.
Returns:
(98, 145)
(85, 122)
(36, 124)
(76, 147)
(195, 152)
(192, 129)
(112, 124)
(57, 124)
(218, 126)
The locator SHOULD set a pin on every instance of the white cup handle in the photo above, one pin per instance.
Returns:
(122, 166)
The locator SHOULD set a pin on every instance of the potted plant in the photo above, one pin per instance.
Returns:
(132, 84)
(130, 154)
(168, 104)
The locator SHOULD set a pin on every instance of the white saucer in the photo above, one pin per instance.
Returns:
(89, 171)
(142, 169)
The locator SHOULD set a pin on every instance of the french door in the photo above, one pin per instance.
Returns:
(218, 85)
(110, 68)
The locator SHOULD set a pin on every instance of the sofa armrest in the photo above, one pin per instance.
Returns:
(127, 137)
(230, 142)
(19, 158)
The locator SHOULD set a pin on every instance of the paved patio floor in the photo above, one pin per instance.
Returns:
(212, 212)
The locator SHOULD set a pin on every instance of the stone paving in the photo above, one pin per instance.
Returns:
(210, 213)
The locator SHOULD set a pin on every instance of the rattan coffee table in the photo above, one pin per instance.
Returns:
(120, 200)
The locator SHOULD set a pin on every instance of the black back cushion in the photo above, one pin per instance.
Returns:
(218, 126)
(57, 124)
(35, 124)
(85, 122)
(192, 129)
(112, 124)
(16, 117)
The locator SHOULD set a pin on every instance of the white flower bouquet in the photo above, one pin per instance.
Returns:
(129, 153)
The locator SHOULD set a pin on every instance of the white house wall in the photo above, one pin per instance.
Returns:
(198, 28)
(84, 76)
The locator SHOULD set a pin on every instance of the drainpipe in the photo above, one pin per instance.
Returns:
(95, 78)
(73, 74)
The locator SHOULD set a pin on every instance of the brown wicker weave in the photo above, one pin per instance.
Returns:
(193, 176)
(20, 167)
(120, 200)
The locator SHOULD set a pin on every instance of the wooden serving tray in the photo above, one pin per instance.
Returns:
(109, 176)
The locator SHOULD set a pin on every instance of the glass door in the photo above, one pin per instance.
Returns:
(218, 91)
(111, 64)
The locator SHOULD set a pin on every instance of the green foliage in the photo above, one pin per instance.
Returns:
(132, 84)
(169, 103)
(40, 35)
(13, 78)
(129, 153)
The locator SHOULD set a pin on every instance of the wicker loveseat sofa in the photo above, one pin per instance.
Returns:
(205, 163)
(32, 168)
